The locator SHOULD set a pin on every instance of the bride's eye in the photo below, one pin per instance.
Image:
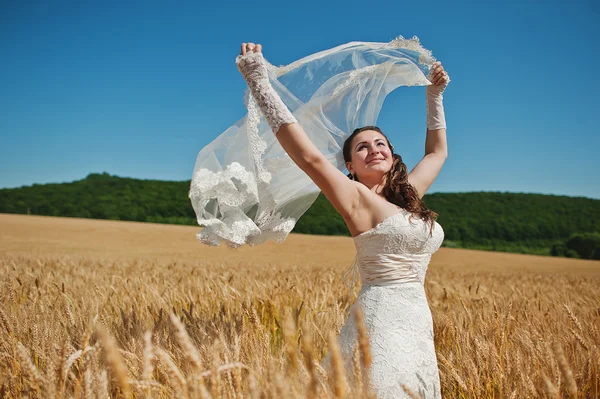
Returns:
(363, 146)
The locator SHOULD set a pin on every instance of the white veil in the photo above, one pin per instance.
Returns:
(245, 189)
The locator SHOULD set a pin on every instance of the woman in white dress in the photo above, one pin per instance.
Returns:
(394, 232)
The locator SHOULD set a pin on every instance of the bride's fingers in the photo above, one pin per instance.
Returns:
(436, 70)
(444, 78)
(437, 73)
(250, 47)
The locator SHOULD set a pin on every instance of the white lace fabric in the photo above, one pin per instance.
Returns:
(253, 68)
(392, 259)
(245, 188)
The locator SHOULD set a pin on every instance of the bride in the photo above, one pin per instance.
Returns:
(394, 232)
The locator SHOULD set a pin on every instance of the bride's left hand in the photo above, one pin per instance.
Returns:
(437, 75)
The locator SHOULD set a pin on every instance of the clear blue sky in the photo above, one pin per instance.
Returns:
(136, 89)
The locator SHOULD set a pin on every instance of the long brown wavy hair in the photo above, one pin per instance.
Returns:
(397, 189)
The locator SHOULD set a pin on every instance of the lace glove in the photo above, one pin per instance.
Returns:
(434, 103)
(253, 69)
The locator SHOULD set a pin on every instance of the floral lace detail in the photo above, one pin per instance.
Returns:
(246, 232)
(273, 227)
(396, 315)
(400, 330)
(414, 44)
(231, 191)
(234, 186)
(234, 236)
(253, 68)
(257, 144)
(400, 233)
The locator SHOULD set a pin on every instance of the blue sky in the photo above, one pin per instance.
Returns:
(136, 89)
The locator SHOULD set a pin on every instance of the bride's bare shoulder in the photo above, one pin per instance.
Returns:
(372, 210)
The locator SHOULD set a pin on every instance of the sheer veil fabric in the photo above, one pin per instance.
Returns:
(245, 189)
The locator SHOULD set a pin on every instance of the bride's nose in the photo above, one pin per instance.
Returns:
(374, 150)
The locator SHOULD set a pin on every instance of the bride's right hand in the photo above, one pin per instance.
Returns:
(252, 68)
(246, 47)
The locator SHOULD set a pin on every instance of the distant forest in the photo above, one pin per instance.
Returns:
(510, 222)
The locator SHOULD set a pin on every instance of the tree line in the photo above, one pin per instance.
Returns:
(512, 222)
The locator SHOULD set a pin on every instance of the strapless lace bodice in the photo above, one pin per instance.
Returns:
(397, 250)
(392, 259)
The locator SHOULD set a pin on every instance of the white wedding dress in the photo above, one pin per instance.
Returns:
(392, 259)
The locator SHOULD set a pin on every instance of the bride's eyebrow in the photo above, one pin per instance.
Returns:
(363, 142)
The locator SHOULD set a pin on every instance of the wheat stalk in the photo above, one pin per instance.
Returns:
(28, 367)
(114, 360)
(337, 364)
(289, 333)
(176, 380)
(186, 343)
(307, 351)
(565, 370)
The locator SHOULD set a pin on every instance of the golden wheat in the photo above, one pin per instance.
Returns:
(111, 309)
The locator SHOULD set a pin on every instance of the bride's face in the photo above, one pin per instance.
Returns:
(371, 155)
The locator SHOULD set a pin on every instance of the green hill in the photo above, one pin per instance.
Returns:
(514, 222)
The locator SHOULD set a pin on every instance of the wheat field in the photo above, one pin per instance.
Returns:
(97, 309)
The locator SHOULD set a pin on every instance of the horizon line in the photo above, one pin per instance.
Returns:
(181, 181)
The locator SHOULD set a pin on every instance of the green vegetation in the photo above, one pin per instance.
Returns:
(510, 222)
(102, 196)
(579, 245)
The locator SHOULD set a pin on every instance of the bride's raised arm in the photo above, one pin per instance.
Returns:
(436, 147)
(340, 191)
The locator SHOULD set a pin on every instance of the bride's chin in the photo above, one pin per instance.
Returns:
(375, 174)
